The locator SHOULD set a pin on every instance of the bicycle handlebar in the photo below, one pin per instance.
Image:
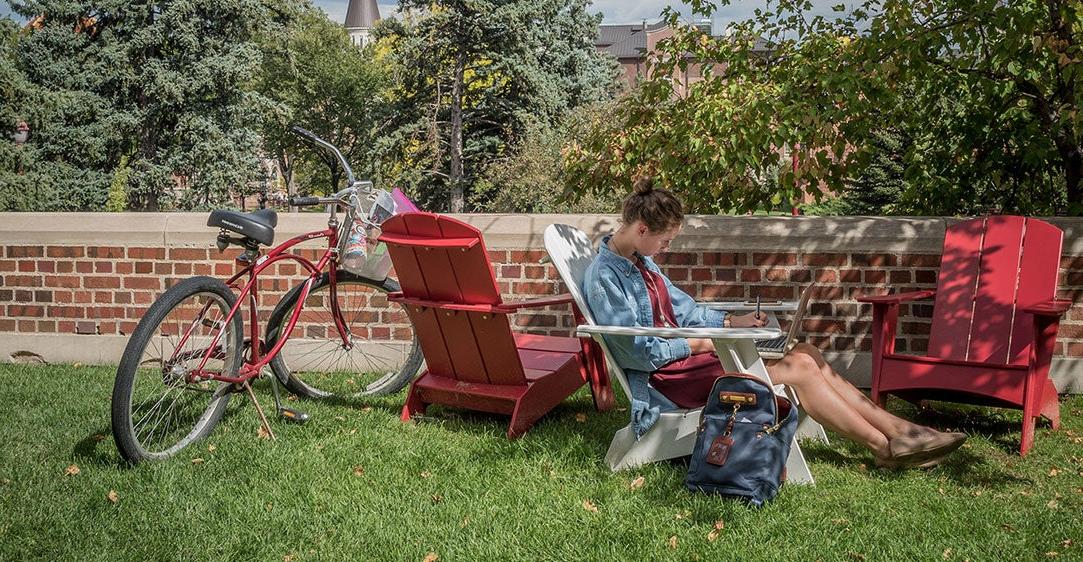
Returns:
(310, 137)
(304, 201)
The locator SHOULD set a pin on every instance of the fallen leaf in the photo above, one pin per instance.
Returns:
(340, 418)
(76, 365)
(437, 498)
(425, 474)
(1054, 471)
(862, 467)
(262, 433)
(288, 558)
(1066, 543)
(269, 507)
(841, 521)
(856, 555)
(589, 506)
(71, 470)
(431, 557)
(1052, 504)
(197, 460)
(977, 493)
(683, 514)
(1051, 554)
(946, 554)
(716, 531)
(97, 437)
(672, 542)
(5, 482)
(1007, 528)
(941, 490)
(292, 398)
(465, 522)
(581, 417)
(112, 496)
(366, 409)
(637, 483)
(353, 431)
(358, 470)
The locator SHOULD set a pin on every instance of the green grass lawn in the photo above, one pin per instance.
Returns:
(356, 483)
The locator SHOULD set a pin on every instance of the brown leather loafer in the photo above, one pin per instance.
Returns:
(921, 452)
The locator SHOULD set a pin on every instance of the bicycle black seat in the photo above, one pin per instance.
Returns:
(257, 225)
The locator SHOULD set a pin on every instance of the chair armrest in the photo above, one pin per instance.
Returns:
(554, 300)
(739, 306)
(895, 298)
(1050, 307)
(406, 301)
(709, 333)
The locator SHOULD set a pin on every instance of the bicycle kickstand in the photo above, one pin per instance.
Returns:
(259, 410)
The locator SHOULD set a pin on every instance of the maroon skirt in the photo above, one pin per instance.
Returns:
(688, 382)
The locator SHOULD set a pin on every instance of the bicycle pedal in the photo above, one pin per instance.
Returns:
(293, 415)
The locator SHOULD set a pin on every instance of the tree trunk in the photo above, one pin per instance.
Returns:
(456, 175)
(1073, 174)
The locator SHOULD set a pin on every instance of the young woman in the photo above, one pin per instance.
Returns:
(624, 287)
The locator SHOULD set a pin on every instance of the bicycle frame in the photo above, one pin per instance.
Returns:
(257, 360)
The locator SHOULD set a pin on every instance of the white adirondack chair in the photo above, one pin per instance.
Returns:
(674, 435)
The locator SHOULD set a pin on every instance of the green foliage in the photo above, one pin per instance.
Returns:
(530, 179)
(118, 189)
(319, 80)
(162, 81)
(472, 77)
(986, 93)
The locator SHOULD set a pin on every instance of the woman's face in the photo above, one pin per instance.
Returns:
(649, 243)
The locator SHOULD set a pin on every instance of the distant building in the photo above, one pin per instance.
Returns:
(361, 17)
(633, 44)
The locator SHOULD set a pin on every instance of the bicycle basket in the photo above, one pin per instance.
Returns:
(361, 253)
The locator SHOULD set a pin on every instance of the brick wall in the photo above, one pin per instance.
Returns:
(73, 292)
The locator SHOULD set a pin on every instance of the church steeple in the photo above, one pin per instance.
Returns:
(361, 17)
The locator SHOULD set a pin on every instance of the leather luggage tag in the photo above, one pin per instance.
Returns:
(720, 450)
(742, 398)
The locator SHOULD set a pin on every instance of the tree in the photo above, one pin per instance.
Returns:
(321, 81)
(473, 76)
(162, 82)
(986, 92)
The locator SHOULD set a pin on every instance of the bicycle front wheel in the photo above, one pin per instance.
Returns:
(157, 408)
(315, 363)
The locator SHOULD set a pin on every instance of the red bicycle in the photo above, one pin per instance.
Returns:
(188, 355)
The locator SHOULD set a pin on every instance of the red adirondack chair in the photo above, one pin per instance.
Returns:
(474, 361)
(994, 324)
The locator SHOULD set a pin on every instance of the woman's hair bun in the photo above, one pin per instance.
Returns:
(643, 185)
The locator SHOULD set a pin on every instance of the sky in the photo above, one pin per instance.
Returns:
(613, 11)
(616, 11)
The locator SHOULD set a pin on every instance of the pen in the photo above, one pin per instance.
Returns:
(757, 307)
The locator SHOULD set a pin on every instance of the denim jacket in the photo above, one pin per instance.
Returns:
(617, 296)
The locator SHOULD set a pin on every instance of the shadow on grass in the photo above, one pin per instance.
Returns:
(98, 448)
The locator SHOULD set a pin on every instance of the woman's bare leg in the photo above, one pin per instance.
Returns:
(888, 424)
(824, 403)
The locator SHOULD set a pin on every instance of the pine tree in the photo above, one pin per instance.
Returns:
(161, 82)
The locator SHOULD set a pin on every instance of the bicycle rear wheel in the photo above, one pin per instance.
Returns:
(156, 410)
(314, 363)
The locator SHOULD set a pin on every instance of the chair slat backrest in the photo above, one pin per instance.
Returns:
(1037, 282)
(444, 260)
(986, 275)
(572, 253)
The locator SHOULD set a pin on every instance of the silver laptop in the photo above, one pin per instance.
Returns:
(775, 348)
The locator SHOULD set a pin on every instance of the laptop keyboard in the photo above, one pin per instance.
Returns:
(773, 344)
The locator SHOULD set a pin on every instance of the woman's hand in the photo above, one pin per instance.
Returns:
(748, 320)
(700, 345)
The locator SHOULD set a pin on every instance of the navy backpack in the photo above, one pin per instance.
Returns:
(743, 441)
